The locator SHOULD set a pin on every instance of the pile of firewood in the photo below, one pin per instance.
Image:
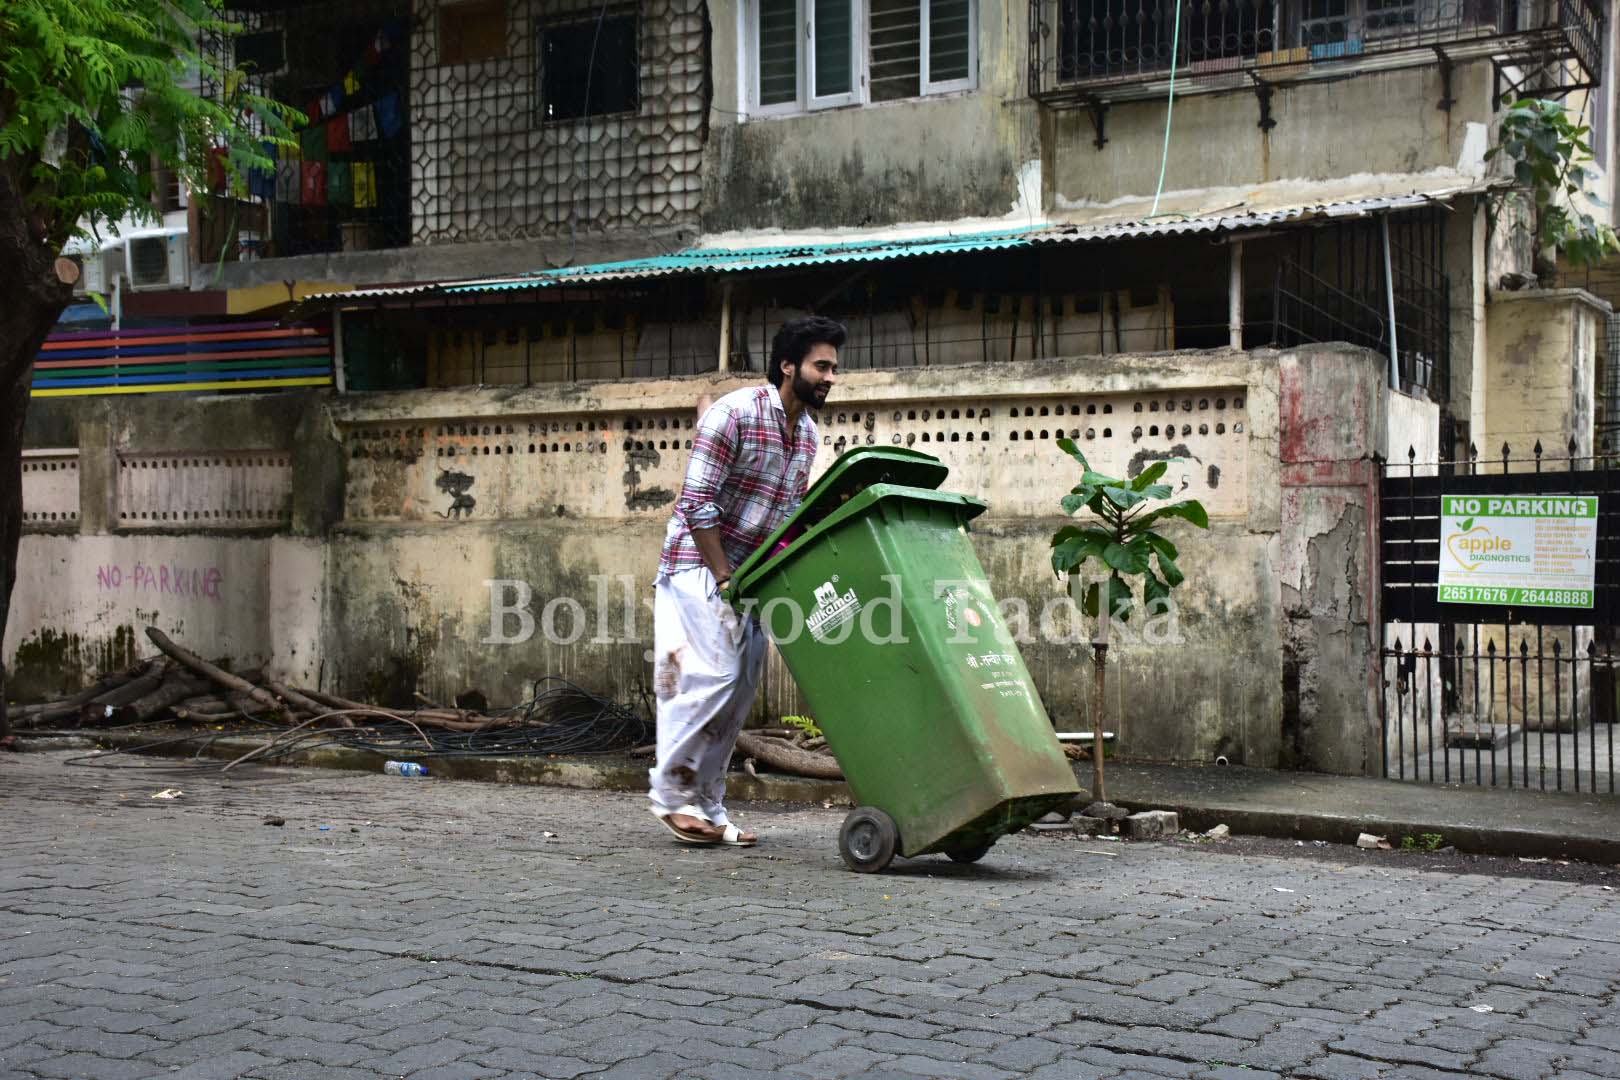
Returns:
(179, 685)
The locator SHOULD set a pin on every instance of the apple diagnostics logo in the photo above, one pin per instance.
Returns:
(1470, 541)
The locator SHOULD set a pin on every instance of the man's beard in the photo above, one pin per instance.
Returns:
(805, 391)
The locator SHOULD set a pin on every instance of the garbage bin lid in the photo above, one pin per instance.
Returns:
(863, 466)
(766, 559)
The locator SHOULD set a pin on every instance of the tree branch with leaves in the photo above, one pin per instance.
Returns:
(1551, 155)
(1122, 534)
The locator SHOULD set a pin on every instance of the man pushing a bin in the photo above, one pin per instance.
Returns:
(749, 470)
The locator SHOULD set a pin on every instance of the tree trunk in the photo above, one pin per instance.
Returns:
(31, 300)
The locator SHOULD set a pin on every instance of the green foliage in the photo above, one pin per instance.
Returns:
(1550, 155)
(805, 724)
(1422, 842)
(1121, 534)
(92, 92)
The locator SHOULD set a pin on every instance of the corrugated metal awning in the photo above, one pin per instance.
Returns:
(1266, 206)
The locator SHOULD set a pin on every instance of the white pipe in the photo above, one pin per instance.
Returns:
(725, 328)
(1234, 301)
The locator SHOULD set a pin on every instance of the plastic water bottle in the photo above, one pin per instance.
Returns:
(404, 768)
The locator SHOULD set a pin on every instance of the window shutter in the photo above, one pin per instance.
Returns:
(949, 47)
(896, 49)
(778, 52)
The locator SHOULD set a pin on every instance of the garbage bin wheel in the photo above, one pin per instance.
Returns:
(969, 853)
(868, 840)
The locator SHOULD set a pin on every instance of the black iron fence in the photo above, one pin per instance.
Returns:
(1515, 688)
(1095, 44)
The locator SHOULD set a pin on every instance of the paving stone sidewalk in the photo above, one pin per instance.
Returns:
(434, 930)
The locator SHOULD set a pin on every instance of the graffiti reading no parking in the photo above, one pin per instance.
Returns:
(163, 579)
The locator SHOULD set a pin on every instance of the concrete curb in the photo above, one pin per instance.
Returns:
(1341, 829)
(608, 773)
(1544, 830)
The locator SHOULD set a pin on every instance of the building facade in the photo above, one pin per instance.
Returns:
(539, 233)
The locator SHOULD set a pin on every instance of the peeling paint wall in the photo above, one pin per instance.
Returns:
(437, 547)
(1339, 419)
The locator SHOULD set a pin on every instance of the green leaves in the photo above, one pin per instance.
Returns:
(1128, 558)
(1548, 149)
(1070, 447)
(1119, 598)
(1119, 533)
(98, 91)
(1072, 546)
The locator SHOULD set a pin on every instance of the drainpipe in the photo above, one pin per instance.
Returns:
(340, 375)
(1389, 299)
(1234, 301)
(725, 327)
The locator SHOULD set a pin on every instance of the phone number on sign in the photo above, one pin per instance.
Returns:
(1492, 594)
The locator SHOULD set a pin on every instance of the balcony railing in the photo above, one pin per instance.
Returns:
(1088, 48)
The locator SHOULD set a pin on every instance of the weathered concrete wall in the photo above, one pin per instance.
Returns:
(189, 519)
(86, 602)
(922, 159)
(1376, 122)
(484, 538)
(1338, 419)
(1540, 378)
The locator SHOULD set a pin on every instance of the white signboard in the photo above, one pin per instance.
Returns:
(1518, 550)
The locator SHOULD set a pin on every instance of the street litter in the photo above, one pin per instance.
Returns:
(1481, 1008)
(1527, 858)
(275, 821)
(169, 793)
(1372, 843)
(1279, 888)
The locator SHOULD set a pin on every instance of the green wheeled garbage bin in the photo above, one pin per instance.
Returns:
(882, 612)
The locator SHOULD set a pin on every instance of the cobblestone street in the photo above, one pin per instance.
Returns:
(435, 930)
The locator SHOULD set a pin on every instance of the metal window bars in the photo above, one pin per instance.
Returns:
(1083, 48)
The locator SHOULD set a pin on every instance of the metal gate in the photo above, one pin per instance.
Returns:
(1500, 693)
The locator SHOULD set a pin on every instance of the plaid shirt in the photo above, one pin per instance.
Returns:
(746, 476)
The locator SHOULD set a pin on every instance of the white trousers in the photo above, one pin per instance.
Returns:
(707, 661)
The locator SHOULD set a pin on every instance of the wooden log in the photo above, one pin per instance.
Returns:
(176, 688)
(102, 709)
(207, 703)
(213, 672)
(304, 704)
(783, 756)
(191, 714)
(72, 702)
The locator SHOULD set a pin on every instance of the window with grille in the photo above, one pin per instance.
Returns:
(1325, 22)
(590, 67)
(811, 54)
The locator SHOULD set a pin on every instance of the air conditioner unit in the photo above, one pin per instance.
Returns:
(157, 262)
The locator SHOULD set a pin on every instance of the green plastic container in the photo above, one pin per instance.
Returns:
(882, 612)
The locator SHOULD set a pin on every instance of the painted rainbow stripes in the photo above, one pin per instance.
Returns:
(174, 359)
